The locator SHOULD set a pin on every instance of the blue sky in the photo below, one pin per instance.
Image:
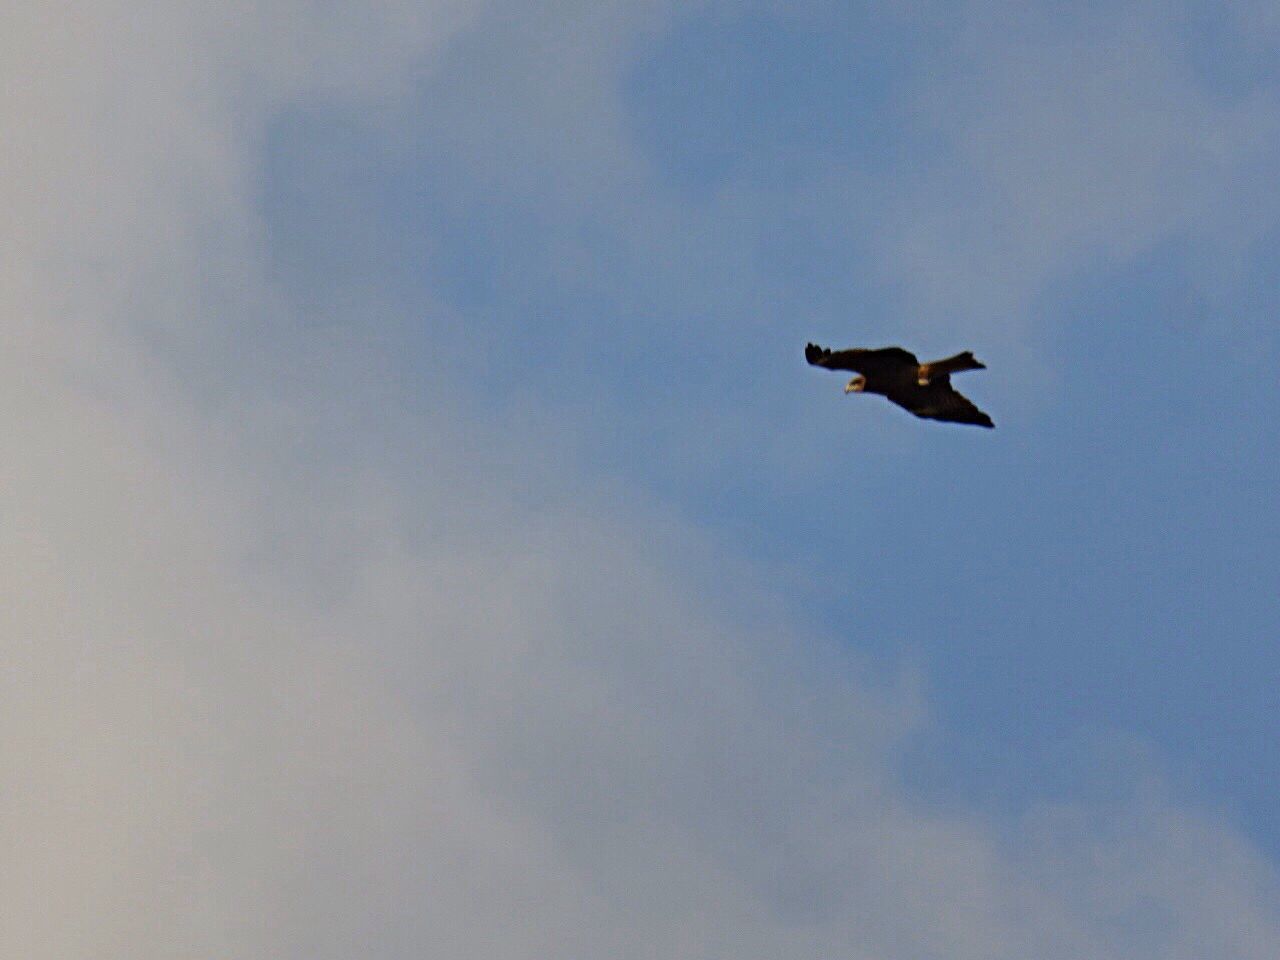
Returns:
(1101, 566)
(427, 538)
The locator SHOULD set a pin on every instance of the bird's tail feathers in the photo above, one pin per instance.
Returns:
(956, 364)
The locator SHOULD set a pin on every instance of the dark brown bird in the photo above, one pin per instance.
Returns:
(923, 388)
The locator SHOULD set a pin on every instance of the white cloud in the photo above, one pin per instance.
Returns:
(1068, 140)
(293, 670)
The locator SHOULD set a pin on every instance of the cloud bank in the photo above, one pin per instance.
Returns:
(296, 665)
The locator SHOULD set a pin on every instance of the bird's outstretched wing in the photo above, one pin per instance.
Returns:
(866, 362)
(940, 401)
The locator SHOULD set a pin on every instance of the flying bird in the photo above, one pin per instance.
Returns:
(923, 388)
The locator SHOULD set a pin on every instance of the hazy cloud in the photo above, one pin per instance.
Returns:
(1072, 139)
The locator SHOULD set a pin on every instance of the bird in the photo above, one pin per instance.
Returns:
(922, 388)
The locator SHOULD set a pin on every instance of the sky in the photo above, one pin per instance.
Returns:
(423, 536)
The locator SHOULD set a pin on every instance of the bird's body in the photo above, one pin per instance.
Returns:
(922, 388)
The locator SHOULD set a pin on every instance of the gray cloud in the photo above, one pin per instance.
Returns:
(293, 668)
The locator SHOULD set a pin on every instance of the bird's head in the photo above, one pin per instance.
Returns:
(855, 385)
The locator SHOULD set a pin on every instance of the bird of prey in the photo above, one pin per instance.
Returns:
(923, 388)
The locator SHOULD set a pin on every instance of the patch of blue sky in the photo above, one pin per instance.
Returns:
(769, 101)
